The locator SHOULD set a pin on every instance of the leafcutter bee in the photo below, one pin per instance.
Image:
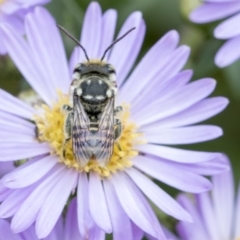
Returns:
(91, 117)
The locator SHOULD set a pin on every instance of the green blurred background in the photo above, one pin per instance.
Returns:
(161, 16)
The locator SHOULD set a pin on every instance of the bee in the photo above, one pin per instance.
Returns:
(92, 121)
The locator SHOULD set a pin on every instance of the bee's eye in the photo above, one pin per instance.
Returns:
(79, 70)
(111, 70)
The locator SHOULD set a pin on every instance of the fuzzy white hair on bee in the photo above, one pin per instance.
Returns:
(94, 66)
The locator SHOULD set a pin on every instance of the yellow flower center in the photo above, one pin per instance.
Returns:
(50, 126)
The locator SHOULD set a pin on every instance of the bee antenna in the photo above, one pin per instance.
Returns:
(117, 40)
(75, 40)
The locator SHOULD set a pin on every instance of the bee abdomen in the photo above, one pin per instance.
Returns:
(93, 127)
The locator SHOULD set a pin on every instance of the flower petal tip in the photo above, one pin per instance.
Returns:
(193, 18)
(174, 34)
(208, 186)
(220, 62)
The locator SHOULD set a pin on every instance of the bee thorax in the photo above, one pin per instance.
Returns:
(94, 90)
(93, 109)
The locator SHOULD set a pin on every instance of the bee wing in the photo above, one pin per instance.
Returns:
(106, 134)
(80, 133)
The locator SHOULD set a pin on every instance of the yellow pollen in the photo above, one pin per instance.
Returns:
(50, 125)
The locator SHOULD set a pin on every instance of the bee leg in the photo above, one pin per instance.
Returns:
(36, 130)
(118, 109)
(67, 126)
(117, 131)
(66, 108)
(117, 126)
(37, 133)
(64, 146)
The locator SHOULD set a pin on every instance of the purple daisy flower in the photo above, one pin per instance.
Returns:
(13, 12)
(158, 105)
(216, 215)
(229, 30)
(65, 229)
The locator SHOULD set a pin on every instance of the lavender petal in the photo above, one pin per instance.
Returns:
(185, 228)
(99, 212)
(206, 208)
(223, 201)
(119, 218)
(184, 135)
(51, 209)
(17, 151)
(91, 31)
(85, 221)
(30, 174)
(15, 106)
(71, 223)
(6, 232)
(135, 205)
(229, 28)
(152, 61)
(13, 202)
(20, 53)
(172, 175)
(193, 92)
(41, 29)
(228, 54)
(237, 215)
(209, 12)
(29, 209)
(178, 155)
(126, 51)
(164, 201)
(109, 20)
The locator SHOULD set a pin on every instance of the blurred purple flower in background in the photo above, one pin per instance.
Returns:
(13, 12)
(162, 105)
(216, 215)
(65, 229)
(229, 29)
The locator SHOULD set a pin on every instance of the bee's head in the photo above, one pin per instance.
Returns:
(97, 78)
(95, 81)
(94, 67)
